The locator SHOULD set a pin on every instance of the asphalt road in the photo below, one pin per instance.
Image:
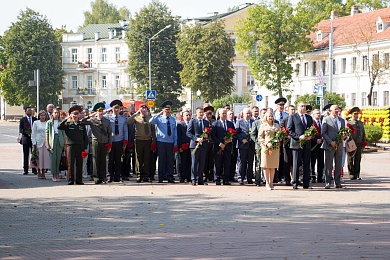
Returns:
(9, 132)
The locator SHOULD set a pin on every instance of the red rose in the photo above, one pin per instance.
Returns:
(153, 147)
(175, 149)
(130, 145)
(233, 131)
(207, 129)
(108, 146)
(185, 146)
(364, 143)
(84, 154)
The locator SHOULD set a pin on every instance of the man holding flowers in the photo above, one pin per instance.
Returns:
(198, 131)
(359, 136)
(300, 127)
(331, 126)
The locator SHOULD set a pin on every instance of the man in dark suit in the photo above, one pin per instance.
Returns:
(209, 160)
(24, 138)
(194, 131)
(246, 147)
(222, 159)
(279, 115)
(333, 151)
(183, 142)
(287, 152)
(233, 163)
(259, 175)
(297, 124)
(317, 155)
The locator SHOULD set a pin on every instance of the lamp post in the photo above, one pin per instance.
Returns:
(198, 93)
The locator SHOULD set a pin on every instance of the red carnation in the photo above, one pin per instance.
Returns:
(130, 145)
(185, 146)
(153, 147)
(207, 129)
(108, 146)
(84, 154)
(175, 149)
(233, 131)
(364, 143)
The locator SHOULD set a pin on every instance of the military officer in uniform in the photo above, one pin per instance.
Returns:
(359, 137)
(279, 115)
(209, 160)
(101, 141)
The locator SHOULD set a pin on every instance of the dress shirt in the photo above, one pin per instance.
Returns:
(123, 130)
(162, 129)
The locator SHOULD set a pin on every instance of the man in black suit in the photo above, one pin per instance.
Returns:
(24, 138)
(183, 142)
(222, 158)
(297, 124)
(233, 163)
(194, 131)
(209, 160)
(317, 153)
(287, 152)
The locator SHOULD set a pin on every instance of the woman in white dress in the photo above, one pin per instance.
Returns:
(38, 138)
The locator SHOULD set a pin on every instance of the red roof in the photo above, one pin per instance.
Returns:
(352, 30)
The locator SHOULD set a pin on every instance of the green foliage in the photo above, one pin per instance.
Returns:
(366, 4)
(60, 31)
(206, 53)
(165, 65)
(373, 133)
(2, 54)
(269, 36)
(31, 44)
(310, 99)
(102, 12)
(231, 99)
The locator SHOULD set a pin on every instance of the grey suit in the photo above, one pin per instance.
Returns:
(329, 132)
(254, 136)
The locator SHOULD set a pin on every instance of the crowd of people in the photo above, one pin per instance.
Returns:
(295, 146)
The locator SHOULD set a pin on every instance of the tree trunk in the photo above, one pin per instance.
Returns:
(369, 96)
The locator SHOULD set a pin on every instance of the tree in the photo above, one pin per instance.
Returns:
(165, 65)
(269, 36)
(31, 44)
(206, 53)
(311, 99)
(60, 31)
(102, 12)
(366, 4)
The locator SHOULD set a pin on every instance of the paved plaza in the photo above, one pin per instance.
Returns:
(41, 219)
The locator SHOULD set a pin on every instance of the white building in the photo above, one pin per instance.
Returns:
(95, 62)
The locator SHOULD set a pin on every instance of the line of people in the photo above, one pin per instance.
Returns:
(203, 148)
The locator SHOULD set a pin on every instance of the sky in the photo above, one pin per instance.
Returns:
(71, 12)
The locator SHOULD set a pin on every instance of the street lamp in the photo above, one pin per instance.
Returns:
(198, 93)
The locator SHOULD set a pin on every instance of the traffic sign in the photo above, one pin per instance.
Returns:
(150, 94)
(320, 92)
(259, 98)
(150, 103)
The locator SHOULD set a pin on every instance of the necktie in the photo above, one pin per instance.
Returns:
(201, 125)
(336, 124)
(303, 121)
(281, 116)
(30, 122)
(169, 127)
(116, 126)
(146, 126)
(224, 125)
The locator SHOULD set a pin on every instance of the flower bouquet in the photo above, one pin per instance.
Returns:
(153, 147)
(283, 135)
(27, 130)
(353, 130)
(230, 133)
(311, 132)
(34, 157)
(207, 131)
(185, 146)
(279, 137)
(341, 136)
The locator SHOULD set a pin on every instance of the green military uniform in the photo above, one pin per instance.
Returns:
(355, 157)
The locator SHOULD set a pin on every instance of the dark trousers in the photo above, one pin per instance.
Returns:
(142, 158)
(209, 163)
(222, 166)
(165, 160)
(233, 163)
(301, 155)
(245, 165)
(280, 171)
(317, 156)
(114, 161)
(198, 160)
(153, 164)
(185, 165)
(288, 163)
(354, 162)
(258, 170)
(99, 160)
(26, 157)
(74, 156)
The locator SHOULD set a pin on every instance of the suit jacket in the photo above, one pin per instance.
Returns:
(329, 130)
(50, 133)
(242, 129)
(318, 135)
(255, 133)
(26, 129)
(182, 137)
(296, 129)
(218, 133)
(194, 131)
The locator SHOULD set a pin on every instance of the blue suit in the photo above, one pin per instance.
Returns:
(194, 131)
(221, 161)
(246, 152)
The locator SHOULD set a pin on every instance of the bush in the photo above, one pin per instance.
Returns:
(373, 133)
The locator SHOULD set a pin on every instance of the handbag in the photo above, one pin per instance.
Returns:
(351, 146)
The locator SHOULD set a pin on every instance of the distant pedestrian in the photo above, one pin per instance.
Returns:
(24, 138)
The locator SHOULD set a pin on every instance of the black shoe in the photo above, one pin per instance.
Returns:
(109, 181)
(79, 183)
(258, 184)
(138, 180)
(240, 182)
(307, 187)
(25, 173)
(313, 181)
(99, 181)
(226, 183)
(233, 180)
(117, 180)
(217, 182)
(340, 187)
(288, 183)
(193, 183)
(160, 181)
(182, 181)
(171, 181)
(125, 179)
(295, 186)
(70, 182)
(327, 186)
(249, 182)
(202, 183)
(145, 180)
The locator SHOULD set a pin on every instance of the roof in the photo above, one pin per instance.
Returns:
(353, 30)
(102, 29)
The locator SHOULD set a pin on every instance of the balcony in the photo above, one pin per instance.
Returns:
(85, 66)
(86, 92)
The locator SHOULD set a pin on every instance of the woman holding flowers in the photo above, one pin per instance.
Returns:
(269, 148)
(38, 138)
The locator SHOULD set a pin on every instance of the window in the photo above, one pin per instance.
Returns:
(104, 81)
(343, 65)
(297, 69)
(306, 68)
(89, 55)
(314, 68)
(117, 81)
(323, 66)
(250, 80)
(379, 27)
(353, 96)
(365, 62)
(386, 60)
(385, 98)
(74, 56)
(374, 98)
(364, 98)
(353, 65)
(104, 54)
(319, 36)
(89, 104)
(74, 82)
(334, 66)
(117, 53)
(89, 82)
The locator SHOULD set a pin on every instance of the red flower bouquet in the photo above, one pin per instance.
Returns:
(353, 130)
(205, 131)
(84, 154)
(230, 133)
(185, 146)
(27, 130)
(108, 146)
(153, 147)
